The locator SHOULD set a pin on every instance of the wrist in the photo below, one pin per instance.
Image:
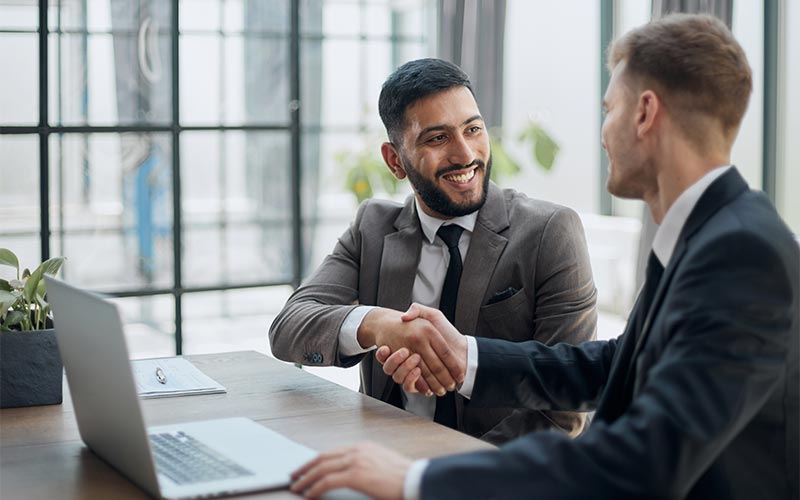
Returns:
(367, 333)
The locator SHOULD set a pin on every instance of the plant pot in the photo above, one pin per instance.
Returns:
(31, 371)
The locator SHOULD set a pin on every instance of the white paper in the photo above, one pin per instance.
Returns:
(182, 378)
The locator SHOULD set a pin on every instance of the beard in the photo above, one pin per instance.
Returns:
(436, 199)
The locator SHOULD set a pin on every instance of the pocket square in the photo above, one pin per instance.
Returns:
(500, 296)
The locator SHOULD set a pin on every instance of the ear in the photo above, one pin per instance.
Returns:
(648, 110)
(392, 159)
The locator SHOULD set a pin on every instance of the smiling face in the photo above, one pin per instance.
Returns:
(445, 153)
(628, 175)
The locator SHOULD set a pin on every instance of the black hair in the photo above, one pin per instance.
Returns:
(411, 82)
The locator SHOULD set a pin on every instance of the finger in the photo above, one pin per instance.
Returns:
(431, 379)
(330, 482)
(395, 361)
(438, 373)
(422, 386)
(412, 313)
(309, 465)
(420, 311)
(382, 353)
(402, 371)
(322, 466)
(449, 356)
(410, 382)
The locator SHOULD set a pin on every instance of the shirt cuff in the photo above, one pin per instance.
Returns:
(412, 487)
(472, 368)
(348, 333)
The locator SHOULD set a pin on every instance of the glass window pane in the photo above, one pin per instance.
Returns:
(19, 96)
(236, 208)
(111, 209)
(200, 79)
(789, 175)
(233, 320)
(200, 15)
(267, 16)
(538, 86)
(19, 198)
(149, 325)
(265, 81)
(19, 16)
(311, 17)
(414, 18)
(341, 17)
(748, 28)
(119, 77)
(341, 89)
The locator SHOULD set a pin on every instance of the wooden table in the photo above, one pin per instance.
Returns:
(42, 455)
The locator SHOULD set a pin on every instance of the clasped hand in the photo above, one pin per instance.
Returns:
(434, 361)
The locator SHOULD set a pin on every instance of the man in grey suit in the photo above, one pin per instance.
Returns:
(699, 397)
(526, 272)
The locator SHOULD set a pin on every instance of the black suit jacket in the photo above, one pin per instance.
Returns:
(702, 403)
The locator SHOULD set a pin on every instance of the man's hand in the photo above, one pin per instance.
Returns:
(369, 468)
(384, 327)
(403, 365)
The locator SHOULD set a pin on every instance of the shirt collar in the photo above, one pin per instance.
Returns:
(670, 229)
(430, 225)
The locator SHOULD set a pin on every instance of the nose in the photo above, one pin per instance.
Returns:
(460, 151)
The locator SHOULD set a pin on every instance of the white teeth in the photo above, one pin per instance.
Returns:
(461, 179)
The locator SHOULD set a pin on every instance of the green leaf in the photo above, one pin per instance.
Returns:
(14, 318)
(545, 150)
(502, 163)
(50, 266)
(7, 258)
(4, 285)
(7, 299)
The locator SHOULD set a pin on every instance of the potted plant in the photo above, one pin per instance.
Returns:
(30, 366)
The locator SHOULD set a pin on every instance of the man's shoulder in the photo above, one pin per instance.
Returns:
(521, 205)
(375, 212)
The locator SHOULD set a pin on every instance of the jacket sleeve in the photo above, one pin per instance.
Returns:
(309, 323)
(727, 319)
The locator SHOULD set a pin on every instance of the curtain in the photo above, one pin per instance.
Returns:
(471, 35)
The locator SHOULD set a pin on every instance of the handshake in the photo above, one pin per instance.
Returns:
(419, 348)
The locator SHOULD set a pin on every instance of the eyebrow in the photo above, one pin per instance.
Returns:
(442, 127)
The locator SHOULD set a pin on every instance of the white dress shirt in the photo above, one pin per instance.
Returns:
(663, 245)
(427, 290)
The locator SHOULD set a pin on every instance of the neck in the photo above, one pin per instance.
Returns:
(676, 169)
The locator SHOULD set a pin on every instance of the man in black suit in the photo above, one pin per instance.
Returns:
(699, 397)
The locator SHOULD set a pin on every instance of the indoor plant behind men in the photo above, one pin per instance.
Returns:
(525, 270)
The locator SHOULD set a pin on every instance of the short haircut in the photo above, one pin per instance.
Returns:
(411, 82)
(695, 65)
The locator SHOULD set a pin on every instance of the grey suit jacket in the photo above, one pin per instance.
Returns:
(534, 247)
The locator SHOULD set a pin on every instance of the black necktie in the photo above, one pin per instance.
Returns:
(652, 277)
(446, 405)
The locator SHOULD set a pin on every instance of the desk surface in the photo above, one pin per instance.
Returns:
(42, 455)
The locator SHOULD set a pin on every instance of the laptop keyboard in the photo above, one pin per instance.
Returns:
(186, 460)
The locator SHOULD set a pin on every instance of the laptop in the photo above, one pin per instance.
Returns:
(195, 459)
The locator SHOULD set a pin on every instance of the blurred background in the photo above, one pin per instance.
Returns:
(195, 159)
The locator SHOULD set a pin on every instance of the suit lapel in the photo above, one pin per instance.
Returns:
(399, 262)
(485, 248)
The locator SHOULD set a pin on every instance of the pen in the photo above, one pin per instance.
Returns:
(160, 376)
